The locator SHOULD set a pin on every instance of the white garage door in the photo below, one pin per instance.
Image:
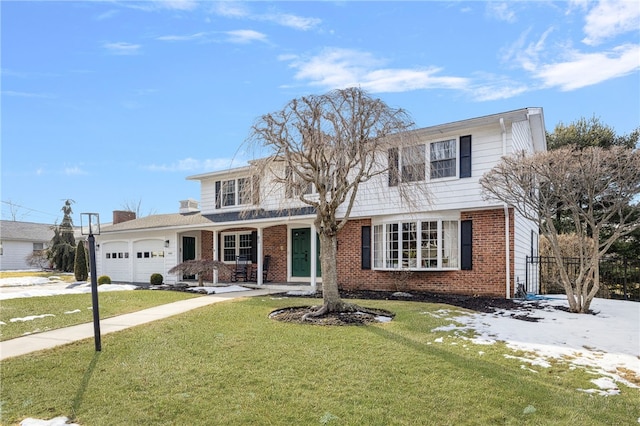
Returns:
(116, 261)
(148, 258)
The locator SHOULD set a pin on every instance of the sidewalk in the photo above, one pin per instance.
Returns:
(36, 342)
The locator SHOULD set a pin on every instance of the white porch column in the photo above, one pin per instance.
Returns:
(259, 277)
(215, 255)
(314, 257)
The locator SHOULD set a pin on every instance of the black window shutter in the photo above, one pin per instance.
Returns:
(365, 244)
(218, 194)
(465, 156)
(393, 167)
(254, 246)
(466, 240)
(220, 253)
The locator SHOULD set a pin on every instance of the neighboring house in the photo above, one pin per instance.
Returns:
(20, 239)
(455, 242)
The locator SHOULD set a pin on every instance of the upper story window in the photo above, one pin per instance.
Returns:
(443, 159)
(296, 187)
(236, 192)
(448, 158)
(413, 163)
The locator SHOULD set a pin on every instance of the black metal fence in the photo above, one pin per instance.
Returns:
(619, 277)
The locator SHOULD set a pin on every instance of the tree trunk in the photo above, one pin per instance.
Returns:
(328, 259)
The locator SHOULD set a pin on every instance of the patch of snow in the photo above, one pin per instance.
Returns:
(30, 318)
(17, 292)
(536, 361)
(450, 327)
(607, 341)
(57, 421)
(383, 318)
(217, 289)
(301, 293)
(606, 387)
(75, 311)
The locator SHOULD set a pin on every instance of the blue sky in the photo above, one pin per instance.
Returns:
(114, 103)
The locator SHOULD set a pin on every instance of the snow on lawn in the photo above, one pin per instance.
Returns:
(37, 289)
(607, 343)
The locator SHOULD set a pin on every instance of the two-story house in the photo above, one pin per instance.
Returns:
(451, 240)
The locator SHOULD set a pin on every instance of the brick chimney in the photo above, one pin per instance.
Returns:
(120, 216)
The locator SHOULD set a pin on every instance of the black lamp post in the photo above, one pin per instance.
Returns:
(90, 224)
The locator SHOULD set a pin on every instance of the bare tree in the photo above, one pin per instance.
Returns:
(333, 143)
(597, 188)
(14, 211)
(135, 206)
(199, 267)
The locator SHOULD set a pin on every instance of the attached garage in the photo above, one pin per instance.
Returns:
(148, 258)
(116, 261)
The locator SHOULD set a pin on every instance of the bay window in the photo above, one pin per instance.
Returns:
(418, 245)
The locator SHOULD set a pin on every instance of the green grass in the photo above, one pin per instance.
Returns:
(62, 276)
(229, 364)
(72, 309)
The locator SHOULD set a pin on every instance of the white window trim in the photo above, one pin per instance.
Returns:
(399, 222)
(237, 246)
(427, 166)
(456, 160)
(236, 192)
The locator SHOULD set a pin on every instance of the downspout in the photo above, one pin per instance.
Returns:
(506, 222)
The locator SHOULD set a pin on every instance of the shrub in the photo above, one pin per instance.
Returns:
(81, 268)
(104, 279)
(156, 279)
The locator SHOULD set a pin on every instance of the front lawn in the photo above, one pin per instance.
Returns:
(230, 364)
(30, 315)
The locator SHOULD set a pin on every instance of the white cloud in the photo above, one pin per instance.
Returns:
(195, 165)
(235, 10)
(189, 37)
(340, 68)
(498, 90)
(73, 171)
(107, 15)
(245, 36)
(230, 9)
(609, 19)
(586, 69)
(501, 11)
(178, 4)
(292, 21)
(122, 48)
(26, 94)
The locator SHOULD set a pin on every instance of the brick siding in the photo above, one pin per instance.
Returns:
(486, 278)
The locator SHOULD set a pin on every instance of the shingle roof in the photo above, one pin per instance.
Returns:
(158, 221)
(25, 231)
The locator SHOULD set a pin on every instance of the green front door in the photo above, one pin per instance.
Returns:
(301, 253)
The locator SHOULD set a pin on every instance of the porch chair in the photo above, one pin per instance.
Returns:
(265, 270)
(240, 271)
